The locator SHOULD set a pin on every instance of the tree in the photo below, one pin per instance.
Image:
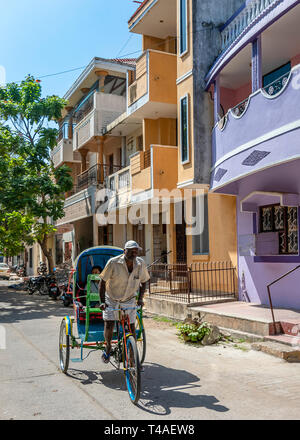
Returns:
(31, 190)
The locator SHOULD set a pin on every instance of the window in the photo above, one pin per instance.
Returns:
(284, 220)
(139, 236)
(200, 242)
(274, 81)
(183, 27)
(184, 129)
(108, 235)
(30, 258)
(139, 143)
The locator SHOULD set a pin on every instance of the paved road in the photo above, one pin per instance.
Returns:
(179, 381)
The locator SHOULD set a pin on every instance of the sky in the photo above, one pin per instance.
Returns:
(42, 37)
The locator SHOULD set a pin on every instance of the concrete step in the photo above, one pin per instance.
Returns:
(292, 341)
(278, 349)
(254, 326)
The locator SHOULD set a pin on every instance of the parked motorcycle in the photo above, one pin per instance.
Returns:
(21, 271)
(34, 284)
(44, 285)
(53, 289)
(42, 269)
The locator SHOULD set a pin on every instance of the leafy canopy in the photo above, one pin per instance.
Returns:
(31, 189)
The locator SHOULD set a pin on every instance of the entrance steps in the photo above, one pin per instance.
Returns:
(252, 322)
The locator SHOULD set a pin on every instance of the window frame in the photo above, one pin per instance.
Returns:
(187, 160)
(206, 226)
(185, 51)
(284, 230)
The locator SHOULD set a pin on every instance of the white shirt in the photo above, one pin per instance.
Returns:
(120, 284)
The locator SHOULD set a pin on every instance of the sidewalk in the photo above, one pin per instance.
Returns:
(251, 318)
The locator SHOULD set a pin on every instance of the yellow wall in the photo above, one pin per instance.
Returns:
(185, 62)
(162, 77)
(186, 171)
(142, 180)
(222, 231)
(164, 167)
(164, 45)
(160, 131)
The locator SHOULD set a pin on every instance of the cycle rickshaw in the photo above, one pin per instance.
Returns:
(88, 331)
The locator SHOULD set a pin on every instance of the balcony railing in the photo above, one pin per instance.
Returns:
(265, 133)
(119, 180)
(95, 175)
(155, 76)
(238, 24)
(139, 87)
(84, 109)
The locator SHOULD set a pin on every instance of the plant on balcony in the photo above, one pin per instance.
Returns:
(31, 190)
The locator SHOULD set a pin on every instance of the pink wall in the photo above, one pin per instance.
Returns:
(230, 97)
(295, 60)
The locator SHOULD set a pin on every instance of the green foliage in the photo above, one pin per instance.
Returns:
(31, 190)
(192, 332)
(15, 229)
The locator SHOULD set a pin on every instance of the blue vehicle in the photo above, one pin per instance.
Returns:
(86, 329)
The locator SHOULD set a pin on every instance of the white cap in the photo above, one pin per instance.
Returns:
(132, 245)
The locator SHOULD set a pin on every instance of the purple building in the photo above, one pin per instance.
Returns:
(255, 82)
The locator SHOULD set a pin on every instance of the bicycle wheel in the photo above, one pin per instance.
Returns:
(132, 370)
(64, 347)
(43, 289)
(140, 338)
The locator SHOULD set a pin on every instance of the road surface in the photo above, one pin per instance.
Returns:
(179, 382)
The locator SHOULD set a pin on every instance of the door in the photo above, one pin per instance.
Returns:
(181, 254)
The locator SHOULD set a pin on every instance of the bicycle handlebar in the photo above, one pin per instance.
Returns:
(120, 309)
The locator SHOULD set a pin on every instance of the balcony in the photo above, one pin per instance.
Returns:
(155, 82)
(119, 184)
(251, 11)
(252, 19)
(94, 176)
(99, 110)
(153, 170)
(63, 153)
(259, 133)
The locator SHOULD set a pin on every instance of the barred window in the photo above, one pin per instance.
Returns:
(284, 220)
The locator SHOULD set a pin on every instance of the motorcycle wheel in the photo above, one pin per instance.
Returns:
(43, 289)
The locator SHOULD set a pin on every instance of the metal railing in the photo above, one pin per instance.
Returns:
(269, 294)
(147, 159)
(240, 22)
(95, 175)
(84, 109)
(201, 282)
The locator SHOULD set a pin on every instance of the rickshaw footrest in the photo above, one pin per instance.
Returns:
(76, 360)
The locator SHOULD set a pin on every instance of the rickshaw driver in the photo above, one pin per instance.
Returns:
(120, 280)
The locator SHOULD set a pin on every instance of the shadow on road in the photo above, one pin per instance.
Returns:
(162, 388)
(16, 306)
